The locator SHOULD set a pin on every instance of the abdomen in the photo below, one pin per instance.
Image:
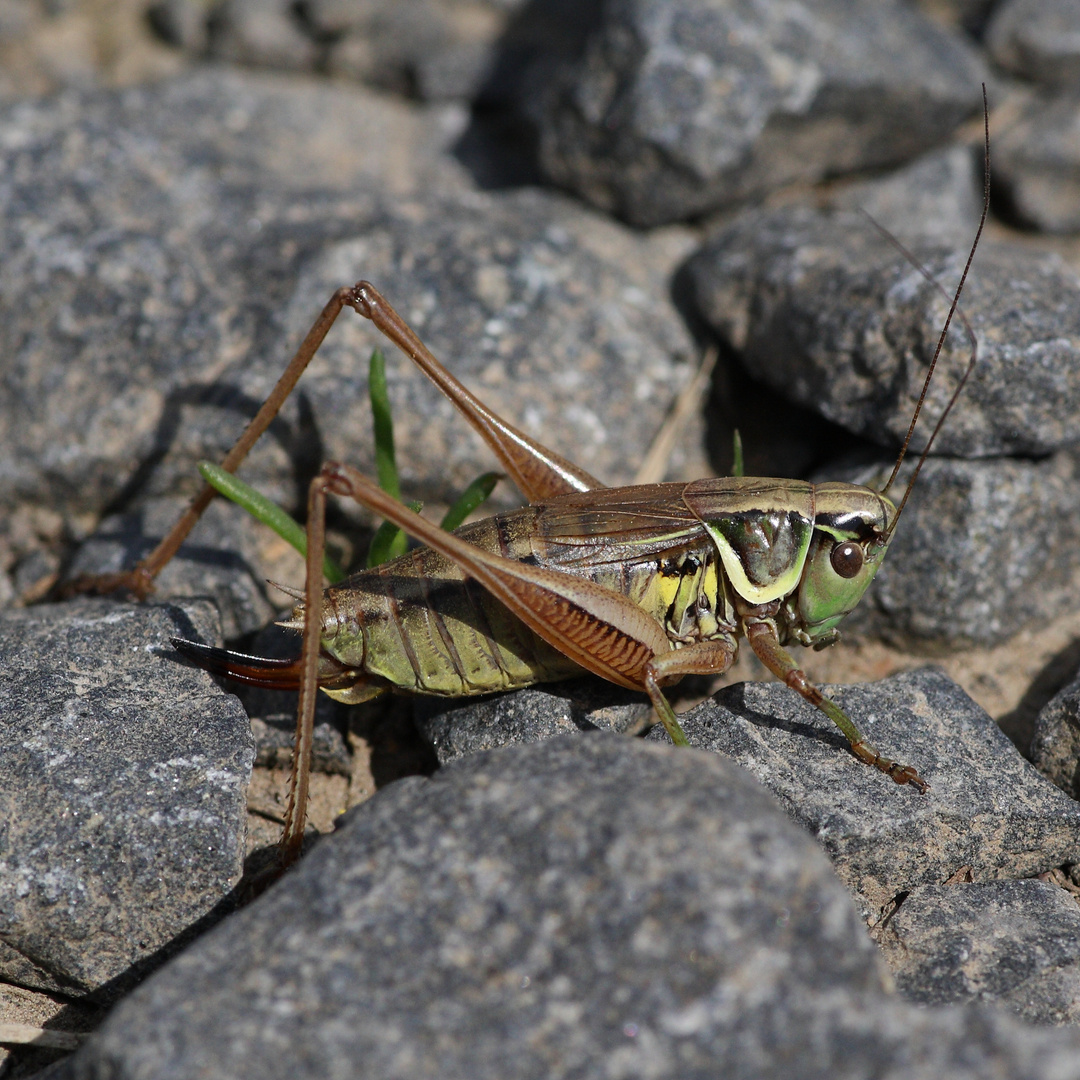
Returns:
(418, 623)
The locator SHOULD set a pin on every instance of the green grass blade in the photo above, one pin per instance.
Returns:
(472, 497)
(262, 509)
(389, 541)
(737, 466)
(383, 424)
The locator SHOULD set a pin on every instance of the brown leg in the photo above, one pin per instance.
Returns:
(140, 579)
(292, 837)
(763, 641)
(540, 473)
(701, 658)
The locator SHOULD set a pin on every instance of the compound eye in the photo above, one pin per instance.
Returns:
(847, 559)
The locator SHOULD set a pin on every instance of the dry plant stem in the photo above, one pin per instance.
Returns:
(29, 1035)
(654, 467)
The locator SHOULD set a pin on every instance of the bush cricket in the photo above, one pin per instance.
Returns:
(640, 585)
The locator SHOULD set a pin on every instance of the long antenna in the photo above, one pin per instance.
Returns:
(954, 309)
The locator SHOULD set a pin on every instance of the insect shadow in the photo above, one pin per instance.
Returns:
(787, 722)
(300, 439)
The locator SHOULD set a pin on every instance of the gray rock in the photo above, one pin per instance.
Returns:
(1015, 943)
(987, 808)
(540, 38)
(1055, 745)
(275, 736)
(938, 195)
(677, 108)
(123, 785)
(970, 15)
(150, 238)
(221, 560)
(558, 320)
(582, 907)
(432, 49)
(456, 729)
(1037, 161)
(148, 311)
(1038, 39)
(821, 307)
(265, 33)
(965, 565)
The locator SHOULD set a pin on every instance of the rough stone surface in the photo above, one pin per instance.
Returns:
(677, 108)
(588, 906)
(823, 308)
(222, 558)
(457, 728)
(1014, 943)
(1055, 745)
(427, 49)
(970, 15)
(1038, 39)
(555, 318)
(174, 266)
(1037, 160)
(966, 565)
(124, 777)
(431, 49)
(150, 238)
(938, 196)
(275, 736)
(987, 808)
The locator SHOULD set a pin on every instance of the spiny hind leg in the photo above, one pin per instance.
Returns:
(601, 630)
(292, 836)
